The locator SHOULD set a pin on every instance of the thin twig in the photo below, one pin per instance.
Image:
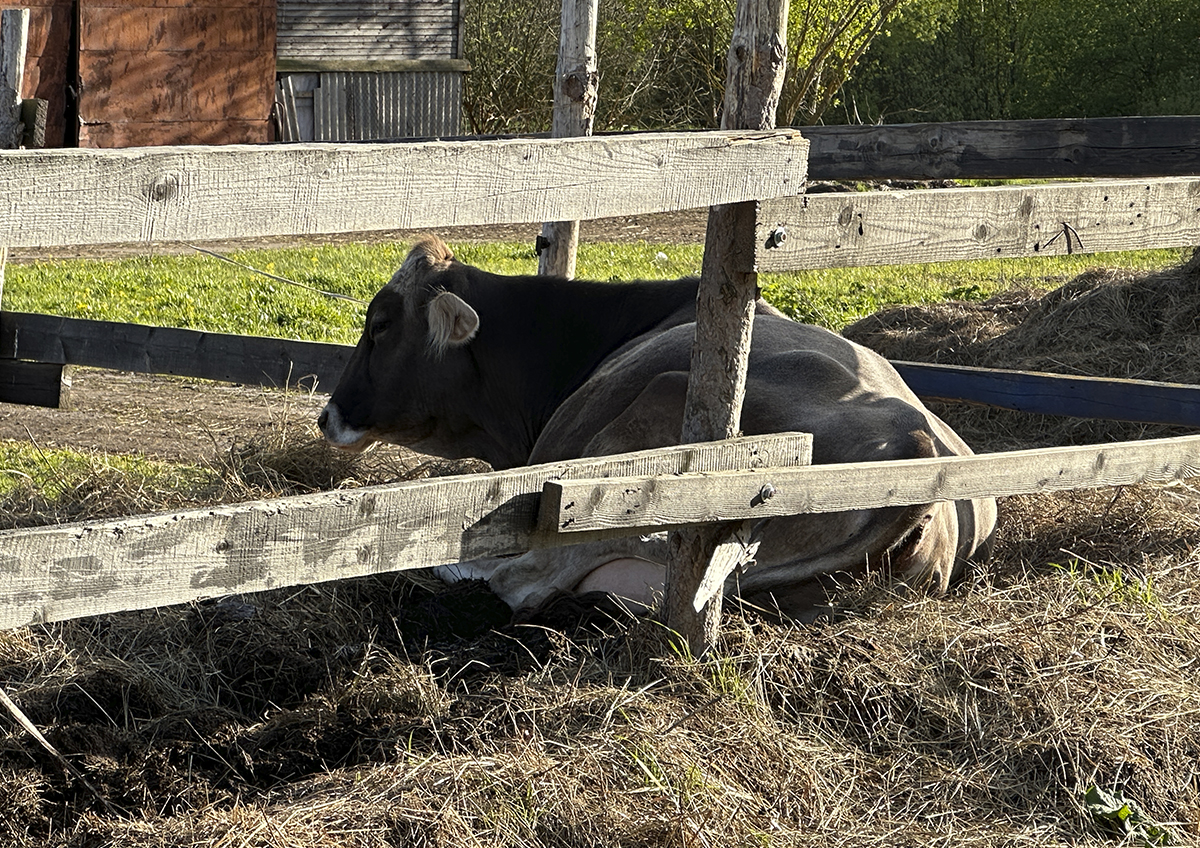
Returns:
(30, 728)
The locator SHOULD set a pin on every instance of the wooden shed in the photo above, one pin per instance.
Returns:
(122, 73)
(375, 69)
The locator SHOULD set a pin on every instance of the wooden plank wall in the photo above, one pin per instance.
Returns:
(322, 34)
(175, 71)
(351, 106)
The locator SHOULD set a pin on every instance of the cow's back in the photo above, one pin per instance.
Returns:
(801, 378)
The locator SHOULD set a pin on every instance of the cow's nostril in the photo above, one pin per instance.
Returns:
(323, 418)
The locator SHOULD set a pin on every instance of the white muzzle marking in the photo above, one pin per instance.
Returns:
(335, 430)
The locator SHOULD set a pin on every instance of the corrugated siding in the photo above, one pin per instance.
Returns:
(325, 30)
(364, 106)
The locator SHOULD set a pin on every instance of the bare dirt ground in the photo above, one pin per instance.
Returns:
(193, 420)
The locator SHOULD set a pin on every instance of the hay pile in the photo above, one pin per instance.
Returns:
(375, 713)
(387, 712)
(1103, 323)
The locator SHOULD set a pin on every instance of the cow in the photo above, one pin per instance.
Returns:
(520, 370)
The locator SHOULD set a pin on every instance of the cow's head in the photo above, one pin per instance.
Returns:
(410, 356)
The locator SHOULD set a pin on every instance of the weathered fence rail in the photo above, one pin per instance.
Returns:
(74, 570)
(1005, 150)
(49, 342)
(89, 197)
(901, 227)
(74, 197)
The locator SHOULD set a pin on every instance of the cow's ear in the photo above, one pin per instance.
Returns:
(452, 322)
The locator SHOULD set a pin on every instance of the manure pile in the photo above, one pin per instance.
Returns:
(390, 712)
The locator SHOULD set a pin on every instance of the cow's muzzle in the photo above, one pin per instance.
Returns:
(338, 433)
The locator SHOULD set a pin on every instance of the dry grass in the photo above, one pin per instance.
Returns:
(355, 714)
(383, 712)
(1101, 324)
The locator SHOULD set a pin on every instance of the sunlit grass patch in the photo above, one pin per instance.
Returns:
(201, 292)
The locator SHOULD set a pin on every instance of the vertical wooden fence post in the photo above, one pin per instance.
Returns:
(14, 33)
(575, 84)
(725, 311)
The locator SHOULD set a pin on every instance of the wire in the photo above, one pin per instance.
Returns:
(224, 258)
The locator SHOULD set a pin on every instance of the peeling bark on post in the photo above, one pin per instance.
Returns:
(14, 33)
(575, 85)
(725, 308)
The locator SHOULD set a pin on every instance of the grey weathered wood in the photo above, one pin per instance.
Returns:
(782, 450)
(14, 35)
(575, 83)
(934, 225)
(68, 571)
(757, 60)
(379, 65)
(642, 503)
(364, 30)
(62, 197)
(286, 118)
(1066, 147)
(385, 106)
(30, 383)
(34, 113)
(253, 360)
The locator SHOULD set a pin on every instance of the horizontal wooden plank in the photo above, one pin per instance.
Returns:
(30, 383)
(356, 56)
(936, 225)
(56, 573)
(123, 133)
(648, 503)
(290, 65)
(272, 362)
(63, 197)
(132, 27)
(253, 360)
(1143, 401)
(1051, 148)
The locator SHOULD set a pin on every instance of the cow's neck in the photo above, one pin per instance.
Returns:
(541, 339)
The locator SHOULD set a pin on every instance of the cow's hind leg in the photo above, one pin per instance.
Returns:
(630, 569)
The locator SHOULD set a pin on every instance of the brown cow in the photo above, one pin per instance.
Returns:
(459, 362)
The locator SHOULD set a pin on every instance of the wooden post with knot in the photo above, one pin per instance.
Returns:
(724, 320)
(575, 85)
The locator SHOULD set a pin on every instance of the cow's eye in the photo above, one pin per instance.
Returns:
(378, 327)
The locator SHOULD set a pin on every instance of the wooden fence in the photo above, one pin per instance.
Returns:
(165, 194)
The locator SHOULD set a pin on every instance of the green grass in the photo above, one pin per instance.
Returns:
(201, 292)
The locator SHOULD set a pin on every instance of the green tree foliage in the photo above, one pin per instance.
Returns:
(826, 39)
(1014, 59)
(661, 62)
